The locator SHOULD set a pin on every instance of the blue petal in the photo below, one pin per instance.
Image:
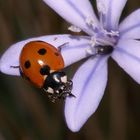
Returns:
(89, 85)
(75, 12)
(127, 55)
(130, 26)
(113, 10)
(73, 50)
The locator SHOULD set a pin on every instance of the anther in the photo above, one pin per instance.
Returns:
(93, 41)
(111, 33)
(90, 22)
(74, 29)
(101, 7)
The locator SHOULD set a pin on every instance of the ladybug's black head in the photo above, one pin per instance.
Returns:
(57, 85)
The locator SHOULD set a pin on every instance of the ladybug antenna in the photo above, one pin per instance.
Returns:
(61, 46)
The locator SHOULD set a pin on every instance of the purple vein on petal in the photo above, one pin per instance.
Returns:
(129, 28)
(88, 79)
(127, 53)
(81, 14)
(76, 9)
(84, 45)
(108, 15)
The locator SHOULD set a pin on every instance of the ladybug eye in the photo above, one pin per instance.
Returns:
(42, 51)
(45, 70)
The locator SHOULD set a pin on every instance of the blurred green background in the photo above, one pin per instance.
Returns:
(25, 111)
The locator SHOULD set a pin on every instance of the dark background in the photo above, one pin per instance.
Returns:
(25, 111)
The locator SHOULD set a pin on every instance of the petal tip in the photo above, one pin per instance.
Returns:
(6, 69)
(74, 127)
(3, 68)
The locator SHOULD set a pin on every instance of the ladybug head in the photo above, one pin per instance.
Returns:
(57, 85)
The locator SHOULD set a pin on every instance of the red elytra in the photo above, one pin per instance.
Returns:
(34, 56)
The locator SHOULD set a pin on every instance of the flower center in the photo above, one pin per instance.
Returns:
(104, 50)
(103, 42)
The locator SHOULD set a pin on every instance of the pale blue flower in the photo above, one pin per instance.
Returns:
(90, 79)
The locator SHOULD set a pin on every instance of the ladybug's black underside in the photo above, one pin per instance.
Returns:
(56, 81)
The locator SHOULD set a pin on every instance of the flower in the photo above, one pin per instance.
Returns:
(105, 38)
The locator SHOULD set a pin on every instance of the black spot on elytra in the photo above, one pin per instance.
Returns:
(27, 64)
(45, 70)
(42, 51)
(56, 53)
(27, 78)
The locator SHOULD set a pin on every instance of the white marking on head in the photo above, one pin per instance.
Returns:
(64, 79)
(50, 90)
(45, 76)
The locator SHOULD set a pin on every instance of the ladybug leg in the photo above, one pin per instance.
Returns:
(61, 46)
(15, 67)
(52, 97)
(67, 90)
(67, 94)
(18, 67)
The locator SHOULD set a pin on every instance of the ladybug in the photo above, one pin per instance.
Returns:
(41, 63)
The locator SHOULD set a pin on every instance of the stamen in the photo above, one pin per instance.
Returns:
(90, 21)
(115, 33)
(74, 29)
(93, 41)
(111, 33)
(102, 10)
(91, 24)
(101, 7)
(91, 50)
(104, 42)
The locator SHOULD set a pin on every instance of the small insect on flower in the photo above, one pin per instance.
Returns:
(41, 63)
